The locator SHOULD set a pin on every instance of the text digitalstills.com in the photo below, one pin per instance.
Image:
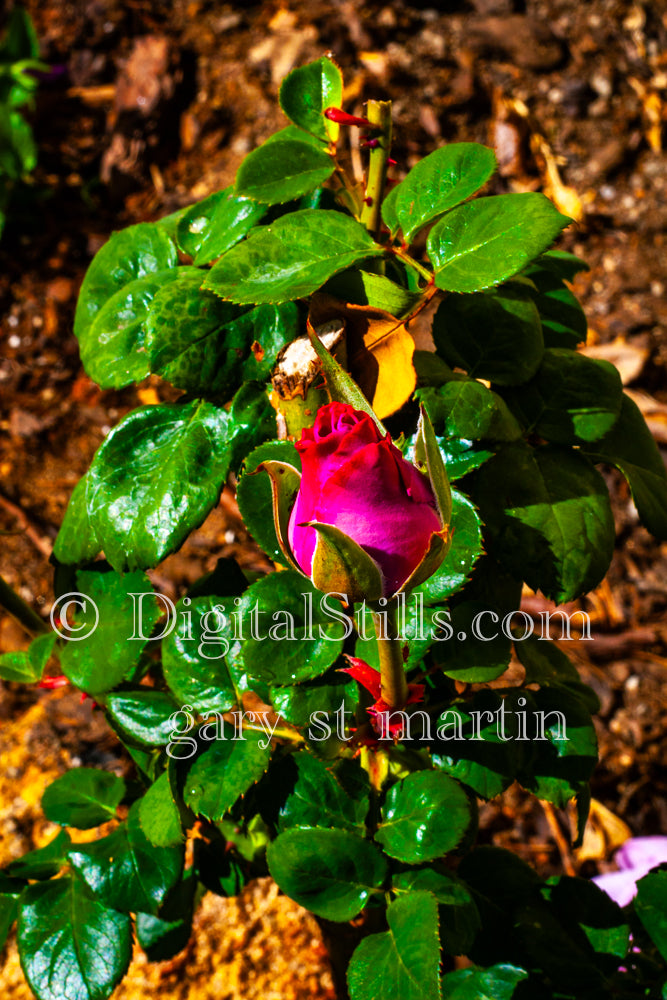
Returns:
(216, 629)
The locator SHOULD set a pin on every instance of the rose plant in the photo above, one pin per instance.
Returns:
(334, 722)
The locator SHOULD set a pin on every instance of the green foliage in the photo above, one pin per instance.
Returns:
(234, 703)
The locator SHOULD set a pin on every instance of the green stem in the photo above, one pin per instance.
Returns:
(394, 689)
(378, 114)
(411, 262)
(22, 612)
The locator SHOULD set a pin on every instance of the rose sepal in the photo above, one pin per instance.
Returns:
(433, 558)
(285, 483)
(341, 566)
(428, 457)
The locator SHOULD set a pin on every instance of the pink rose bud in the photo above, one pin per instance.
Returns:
(356, 480)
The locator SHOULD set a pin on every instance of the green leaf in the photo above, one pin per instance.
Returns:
(317, 799)
(424, 816)
(70, 944)
(10, 891)
(104, 646)
(651, 908)
(437, 183)
(458, 913)
(291, 258)
(563, 320)
(226, 770)
(571, 400)
(45, 862)
(296, 637)
(76, 541)
(468, 657)
(498, 982)
(576, 901)
(162, 939)
(298, 704)
(547, 665)
(341, 566)
(340, 385)
(26, 666)
(83, 797)
(282, 171)
(308, 91)
(211, 227)
(143, 716)
(125, 871)
(205, 345)
(493, 335)
(130, 254)
(464, 408)
(193, 656)
(159, 817)
(403, 961)
(550, 519)
(488, 240)
(463, 553)
(254, 495)
(477, 743)
(158, 474)
(367, 289)
(333, 873)
(113, 345)
(565, 265)
(563, 744)
(20, 38)
(630, 446)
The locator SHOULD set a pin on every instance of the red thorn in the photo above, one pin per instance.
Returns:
(342, 118)
(368, 201)
(370, 144)
(392, 163)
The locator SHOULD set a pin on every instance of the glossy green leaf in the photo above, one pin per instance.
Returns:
(498, 982)
(159, 817)
(102, 650)
(193, 655)
(463, 553)
(458, 913)
(77, 541)
(130, 254)
(424, 816)
(205, 345)
(125, 871)
(113, 345)
(211, 227)
(143, 715)
(403, 961)
(83, 797)
(651, 908)
(253, 494)
(565, 265)
(550, 519)
(317, 799)
(162, 939)
(283, 171)
(464, 408)
(630, 446)
(26, 666)
(492, 335)
(437, 183)
(299, 704)
(546, 664)
(307, 91)
(291, 258)
(488, 240)
(43, 863)
(71, 945)
(571, 400)
(157, 475)
(225, 770)
(333, 873)
(291, 642)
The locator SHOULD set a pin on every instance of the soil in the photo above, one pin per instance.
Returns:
(156, 106)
